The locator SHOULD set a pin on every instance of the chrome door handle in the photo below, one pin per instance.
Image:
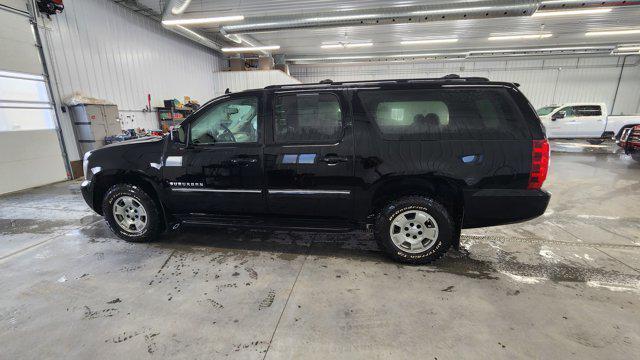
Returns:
(244, 160)
(333, 159)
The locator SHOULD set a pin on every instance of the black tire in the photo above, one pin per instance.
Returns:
(152, 228)
(595, 141)
(429, 206)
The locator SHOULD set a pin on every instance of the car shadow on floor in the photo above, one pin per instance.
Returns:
(289, 245)
(484, 263)
(356, 244)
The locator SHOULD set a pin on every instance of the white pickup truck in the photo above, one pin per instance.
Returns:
(585, 121)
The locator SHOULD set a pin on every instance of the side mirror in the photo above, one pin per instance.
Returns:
(177, 135)
(558, 115)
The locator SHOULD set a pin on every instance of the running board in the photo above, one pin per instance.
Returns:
(270, 223)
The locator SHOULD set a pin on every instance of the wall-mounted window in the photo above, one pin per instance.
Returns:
(24, 103)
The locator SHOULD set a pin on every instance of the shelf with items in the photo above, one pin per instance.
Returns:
(170, 116)
(174, 112)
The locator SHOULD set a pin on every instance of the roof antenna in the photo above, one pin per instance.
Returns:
(227, 91)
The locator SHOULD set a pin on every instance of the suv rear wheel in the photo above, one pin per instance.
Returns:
(414, 229)
(131, 213)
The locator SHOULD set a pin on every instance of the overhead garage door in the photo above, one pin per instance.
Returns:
(29, 145)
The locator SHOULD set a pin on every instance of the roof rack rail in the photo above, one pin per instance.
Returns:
(329, 82)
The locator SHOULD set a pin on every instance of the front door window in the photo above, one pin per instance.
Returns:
(233, 121)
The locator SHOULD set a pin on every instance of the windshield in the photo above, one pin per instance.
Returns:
(546, 110)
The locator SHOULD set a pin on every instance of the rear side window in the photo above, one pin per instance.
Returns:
(587, 110)
(444, 114)
(307, 117)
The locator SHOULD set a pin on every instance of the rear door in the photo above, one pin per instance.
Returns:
(474, 136)
(309, 157)
(589, 120)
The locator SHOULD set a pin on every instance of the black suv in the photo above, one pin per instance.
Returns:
(415, 160)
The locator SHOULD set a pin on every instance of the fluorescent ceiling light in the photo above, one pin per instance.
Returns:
(349, 45)
(613, 32)
(571, 12)
(432, 41)
(625, 53)
(251, 49)
(332, 46)
(628, 48)
(356, 45)
(521, 37)
(203, 20)
(380, 56)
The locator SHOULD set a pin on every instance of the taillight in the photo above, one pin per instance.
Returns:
(539, 164)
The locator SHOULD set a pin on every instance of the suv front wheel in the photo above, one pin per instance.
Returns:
(131, 213)
(414, 229)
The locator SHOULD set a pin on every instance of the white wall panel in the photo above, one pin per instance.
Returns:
(20, 5)
(17, 42)
(103, 50)
(35, 159)
(31, 154)
(243, 80)
(628, 98)
(543, 80)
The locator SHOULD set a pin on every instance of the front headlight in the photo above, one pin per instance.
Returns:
(85, 164)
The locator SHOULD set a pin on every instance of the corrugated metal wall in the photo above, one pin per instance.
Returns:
(544, 81)
(103, 50)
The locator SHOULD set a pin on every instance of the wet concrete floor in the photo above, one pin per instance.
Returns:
(565, 285)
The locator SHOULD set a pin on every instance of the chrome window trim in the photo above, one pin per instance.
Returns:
(244, 191)
(309, 192)
(271, 191)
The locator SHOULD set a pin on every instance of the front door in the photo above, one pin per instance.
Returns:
(309, 158)
(563, 123)
(221, 165)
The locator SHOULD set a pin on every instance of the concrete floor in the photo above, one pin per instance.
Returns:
(566, 285)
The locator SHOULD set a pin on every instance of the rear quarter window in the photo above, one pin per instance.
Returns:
(445, 114)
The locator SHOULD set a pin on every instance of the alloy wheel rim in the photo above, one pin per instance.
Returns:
(130, 215)
(414, 231)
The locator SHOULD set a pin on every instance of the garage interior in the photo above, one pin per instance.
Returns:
(564, 285)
